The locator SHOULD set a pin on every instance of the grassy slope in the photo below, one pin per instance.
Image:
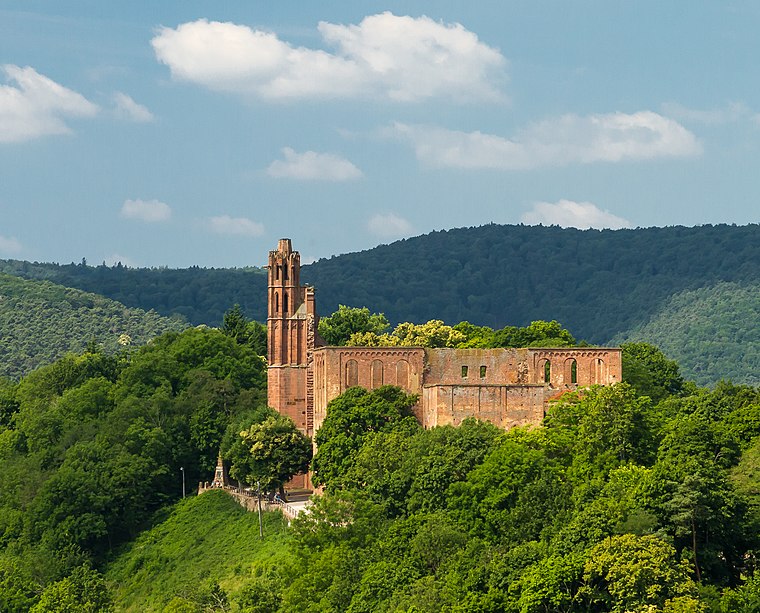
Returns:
(41, 321)
(712, 332)
(206, 538)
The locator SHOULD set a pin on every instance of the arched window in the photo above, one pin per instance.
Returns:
(464, 372)
(285, 304)
(377, 373)
(285, 271)
(482, 372)
(571, 371)
(402, 374)
(547, 371)
(276, 273)
(600, 372)
(352, 373)
(276, 302)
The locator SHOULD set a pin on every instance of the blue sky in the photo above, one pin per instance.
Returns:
(198, 133)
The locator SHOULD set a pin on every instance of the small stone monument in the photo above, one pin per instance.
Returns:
(220, 476)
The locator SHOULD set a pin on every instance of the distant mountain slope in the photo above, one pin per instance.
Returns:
(41, 321)
(596, 283)
(201, 295)
(712, 332)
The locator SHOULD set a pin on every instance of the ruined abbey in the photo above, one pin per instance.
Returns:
(508, 387)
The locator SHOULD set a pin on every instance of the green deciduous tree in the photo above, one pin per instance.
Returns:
(18, 592)
(606, 427)
(338, 327)
(83, 591)
(245, 331)
(628, 572)
(652, 374)
(538, 334)
(514, 495)
(694, 500)
(277, 451)
(350, 417)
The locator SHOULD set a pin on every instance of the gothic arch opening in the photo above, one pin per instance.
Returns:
(402, 374)
(571, 371)
(276, 302)
(600, 371)
(352, 373)
(546, 371)
(377, 373)
(285, 304)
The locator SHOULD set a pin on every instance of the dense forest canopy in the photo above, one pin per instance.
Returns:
(603, 285)
(714, 330)
(93, 445)
(41, 321)
(198, 295)
(597, 283)
(640, 496)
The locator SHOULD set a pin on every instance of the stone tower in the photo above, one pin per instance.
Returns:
(291, 329)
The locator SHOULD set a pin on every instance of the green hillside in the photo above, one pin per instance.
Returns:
(596, 283)
(200, 295)
(41, 321)
(712, 332)
(603, 286)
(616, 503)
(207, 539)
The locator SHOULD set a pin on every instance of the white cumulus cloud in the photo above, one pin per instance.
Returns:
(9, 245)
(146, 210)
(389, 225)
(569, 139)
(570, 214)
(32, 105)
(401, 58)
(240, 226)
(127, 108)
(313, 166)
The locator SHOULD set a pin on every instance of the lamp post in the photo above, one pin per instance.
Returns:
(182, 470)
(261, 527)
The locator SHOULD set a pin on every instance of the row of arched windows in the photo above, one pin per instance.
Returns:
(378, 373)
(571, 371)
(284, 268)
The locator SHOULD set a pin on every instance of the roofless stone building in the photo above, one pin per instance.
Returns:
(508, 387)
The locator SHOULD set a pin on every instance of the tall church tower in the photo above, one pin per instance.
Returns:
(292, 335)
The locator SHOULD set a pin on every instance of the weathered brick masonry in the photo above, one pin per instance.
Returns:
(508, 387)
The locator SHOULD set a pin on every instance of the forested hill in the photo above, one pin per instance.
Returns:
(603, 286)
(596, 283)
(41, 321)
(201, 295)
(712, 331)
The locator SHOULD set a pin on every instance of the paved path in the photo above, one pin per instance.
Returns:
(298, 500)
